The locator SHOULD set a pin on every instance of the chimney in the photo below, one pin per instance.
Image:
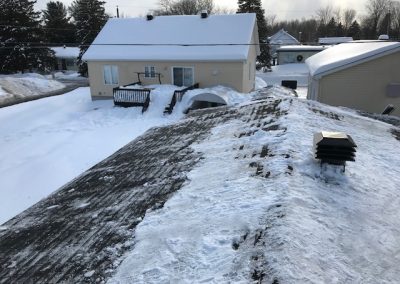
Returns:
(150, 17)
(204, 14)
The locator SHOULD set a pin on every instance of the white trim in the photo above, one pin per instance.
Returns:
(172, 73)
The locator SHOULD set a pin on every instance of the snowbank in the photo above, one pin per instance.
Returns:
(30, 84)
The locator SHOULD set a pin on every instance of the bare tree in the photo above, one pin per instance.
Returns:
(183, 7)
(325, 14)
(223, 10)
(377, 10)
(337, 14)
(349, 15)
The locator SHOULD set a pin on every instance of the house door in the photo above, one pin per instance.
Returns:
(182, 76)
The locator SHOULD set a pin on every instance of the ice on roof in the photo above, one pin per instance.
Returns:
(346, 54)
(217, 37)
(66, 52)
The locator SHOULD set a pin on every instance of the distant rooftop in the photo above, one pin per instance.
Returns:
(334, 40)
(66, 52)
(301, 48)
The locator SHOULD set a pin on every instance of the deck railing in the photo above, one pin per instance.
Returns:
(131, 97)
(177, 97)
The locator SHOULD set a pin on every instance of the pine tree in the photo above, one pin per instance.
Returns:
(21, 46)
(58, 29)
(331, 28)
(254, 6)
(89, 18)
(354, 31)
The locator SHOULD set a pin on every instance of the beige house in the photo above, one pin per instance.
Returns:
(362, 75)
(180, 50)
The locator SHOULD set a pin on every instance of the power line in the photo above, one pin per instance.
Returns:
(49, 45)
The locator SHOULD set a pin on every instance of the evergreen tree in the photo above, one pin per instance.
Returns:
(89, 18)
(254, 6)
(354, 31)
(58, 29)
(21, 46)
(339, 30)
(331, 28)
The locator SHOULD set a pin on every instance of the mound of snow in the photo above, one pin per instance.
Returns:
(28, 85)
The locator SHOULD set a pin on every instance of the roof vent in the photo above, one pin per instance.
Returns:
(388, 110)
(150, 17)
(334, 148)
(204, 14)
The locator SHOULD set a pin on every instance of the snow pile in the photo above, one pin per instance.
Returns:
(296, 224)
(294, 71)
(30, 84)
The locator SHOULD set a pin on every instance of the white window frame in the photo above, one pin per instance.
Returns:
(110, 75)
(187, 67)
(149, 71)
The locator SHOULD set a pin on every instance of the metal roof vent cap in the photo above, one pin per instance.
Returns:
(149, 17)
(334, 148)
(204, 14)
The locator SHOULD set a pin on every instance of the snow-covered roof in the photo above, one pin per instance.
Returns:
(66, 52)
(334, 40)
(283, 37)
(348, 54)
(175, 38)
(301, 48)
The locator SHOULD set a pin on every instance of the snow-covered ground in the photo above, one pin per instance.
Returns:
(46, 143)
(23, 85)
(299, 224)
(294, 71)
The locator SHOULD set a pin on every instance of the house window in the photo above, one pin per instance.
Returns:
(110, 74)
(182, 76)
(149, 72)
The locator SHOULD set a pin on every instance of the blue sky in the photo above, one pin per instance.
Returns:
(283, 9)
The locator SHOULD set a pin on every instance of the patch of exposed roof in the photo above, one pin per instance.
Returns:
(348, 54)
(175, 38)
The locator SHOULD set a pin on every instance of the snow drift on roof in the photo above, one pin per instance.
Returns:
(66, 52)
(348, 53)
(168, 37)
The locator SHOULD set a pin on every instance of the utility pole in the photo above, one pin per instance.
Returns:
(388, 25)
(117, 12)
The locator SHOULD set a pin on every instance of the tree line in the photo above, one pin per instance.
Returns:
(25, 33)
(382, 17)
